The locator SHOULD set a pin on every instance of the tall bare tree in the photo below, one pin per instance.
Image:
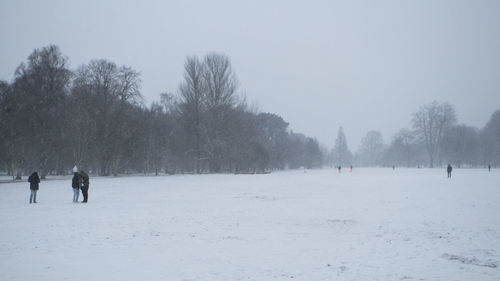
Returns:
(430, 123)
(192, 108)
(221, 85)
(43, 83)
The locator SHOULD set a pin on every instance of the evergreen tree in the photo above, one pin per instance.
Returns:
(341, 154)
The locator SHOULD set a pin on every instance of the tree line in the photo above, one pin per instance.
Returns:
(94, 117)
(435, 139)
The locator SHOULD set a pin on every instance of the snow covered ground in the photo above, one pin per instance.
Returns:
(372, 224)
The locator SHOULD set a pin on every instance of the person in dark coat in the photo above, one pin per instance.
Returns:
(448, 170)
(84, 186)
(489, 167)
(34, 180)
(340, 168)
(76, 183)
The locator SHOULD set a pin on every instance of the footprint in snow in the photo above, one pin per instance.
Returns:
(471, 260)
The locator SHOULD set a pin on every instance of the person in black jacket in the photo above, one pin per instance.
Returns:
(34, 180)
(76, 182)
(448, 170)
(84, 186)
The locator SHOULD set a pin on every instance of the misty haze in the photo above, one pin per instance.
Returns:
(327, 140)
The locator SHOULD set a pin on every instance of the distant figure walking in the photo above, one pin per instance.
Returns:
(340, 168)
(76, 184)
(34, 180)
(489, 167)
(448, 170)
(84, 186)
(350, 169)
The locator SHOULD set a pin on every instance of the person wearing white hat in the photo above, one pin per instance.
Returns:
(76, 183)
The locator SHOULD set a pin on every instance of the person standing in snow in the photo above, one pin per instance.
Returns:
(34, 180)
(340, 168)
(489, 167)
(448, 170)
(84, 186)
(76, 183)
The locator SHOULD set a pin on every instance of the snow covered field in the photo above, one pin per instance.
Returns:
(372, 224)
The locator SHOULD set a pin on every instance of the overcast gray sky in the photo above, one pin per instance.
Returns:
(362, 65)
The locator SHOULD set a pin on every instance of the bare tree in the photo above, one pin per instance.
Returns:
(108, 95)
(430, 123)
(128, 84)
(43, 83)
(372, 148)
(192, 108)
(221, 85)
(221, 82)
